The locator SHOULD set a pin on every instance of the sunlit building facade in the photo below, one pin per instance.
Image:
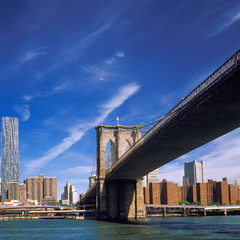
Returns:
(41, 187)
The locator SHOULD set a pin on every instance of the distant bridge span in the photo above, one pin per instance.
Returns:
(209, 111)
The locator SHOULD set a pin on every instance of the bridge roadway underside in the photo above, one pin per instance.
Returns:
(210, 115)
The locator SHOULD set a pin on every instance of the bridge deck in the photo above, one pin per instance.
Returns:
(209, 111)
(209, 114)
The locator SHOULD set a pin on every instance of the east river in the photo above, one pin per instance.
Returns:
(217, 227)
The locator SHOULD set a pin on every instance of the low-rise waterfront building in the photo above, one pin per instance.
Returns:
(222, 193)
(208, 193)
(49, 201)
(202, 193)
(13, 190)
(22, 189)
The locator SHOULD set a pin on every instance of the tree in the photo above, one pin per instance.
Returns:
(184, 203)
(196, 203)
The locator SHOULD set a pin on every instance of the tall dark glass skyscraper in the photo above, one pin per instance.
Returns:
(195, 172)
(10, 154)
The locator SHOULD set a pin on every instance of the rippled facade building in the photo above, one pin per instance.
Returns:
(10, 154)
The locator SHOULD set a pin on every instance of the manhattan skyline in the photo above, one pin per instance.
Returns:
(67, 66)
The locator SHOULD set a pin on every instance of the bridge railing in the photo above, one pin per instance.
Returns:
(88, 192)
(231, 64)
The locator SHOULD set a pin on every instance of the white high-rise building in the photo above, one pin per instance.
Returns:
(69, 196)
(151, 177)
(10, 154)
(195, 172)
(73, 194)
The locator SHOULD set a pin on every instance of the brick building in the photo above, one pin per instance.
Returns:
(206, 193)
(169, 193)
(183, 191)
(155, 193)
(40, 187)
(233, 194)
(22, 189)
(192, 194)
(146, 195)
(211, 191)
(222, 193)
(202, 193)
(50, 187)
(13, 191)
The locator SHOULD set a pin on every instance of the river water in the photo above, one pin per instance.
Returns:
(217, 227)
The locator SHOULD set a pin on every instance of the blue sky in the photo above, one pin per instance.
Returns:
(67, 66)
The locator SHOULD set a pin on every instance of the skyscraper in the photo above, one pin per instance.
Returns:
(195, 172)
(73, 194)
(66, 195)
(10, 154)
(151, 177)
(69, 196)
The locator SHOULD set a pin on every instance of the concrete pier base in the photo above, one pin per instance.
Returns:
(101, 199)
(125, 199)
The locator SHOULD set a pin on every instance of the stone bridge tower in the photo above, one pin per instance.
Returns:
(110, 195)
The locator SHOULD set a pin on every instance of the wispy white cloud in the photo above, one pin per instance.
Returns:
(54, 90)
(110, 60)
(76, 171)
(228, 20)
(223, 159)
(53, 120)
(23, 111)
(60, 87)
(172, 171)
(76, 132)
(105, 68)
(120, 54)
(33, 54)
(71, 53)
(28, 97)
(77, 156)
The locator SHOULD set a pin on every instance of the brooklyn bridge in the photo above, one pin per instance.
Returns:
(211, 110)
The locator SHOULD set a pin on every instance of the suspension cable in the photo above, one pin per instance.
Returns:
(151, 123)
